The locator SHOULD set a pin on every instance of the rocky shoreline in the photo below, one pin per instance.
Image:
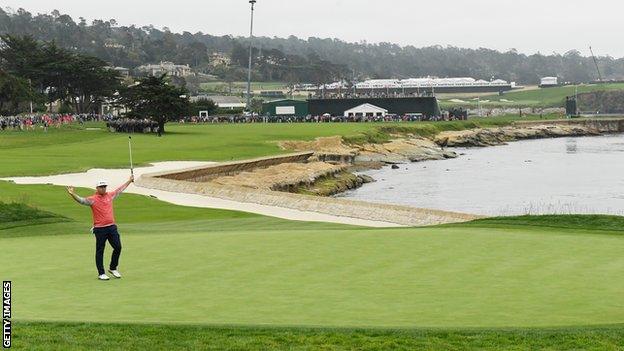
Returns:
(284, 183)
(503, 135)
(412, 148)
(328, 166)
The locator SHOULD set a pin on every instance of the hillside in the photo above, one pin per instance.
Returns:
(293, 60)
(540, 97)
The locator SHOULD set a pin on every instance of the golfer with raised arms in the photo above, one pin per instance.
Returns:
(104, 226)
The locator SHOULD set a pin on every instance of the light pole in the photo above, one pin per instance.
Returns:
(252, 2)
(31, 105)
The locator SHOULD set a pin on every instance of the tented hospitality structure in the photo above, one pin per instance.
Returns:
(366, 110)
(412, 86)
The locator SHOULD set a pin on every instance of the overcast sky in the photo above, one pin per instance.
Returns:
(527, 25)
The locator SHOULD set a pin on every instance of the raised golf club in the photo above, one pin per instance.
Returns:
(130, 149)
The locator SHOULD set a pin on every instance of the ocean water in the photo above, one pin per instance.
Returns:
(544, 176)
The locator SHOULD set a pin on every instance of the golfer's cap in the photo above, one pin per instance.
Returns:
(101, 183)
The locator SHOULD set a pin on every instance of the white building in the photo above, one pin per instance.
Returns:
(429, 82)
(366, 110)
(165, 67)
(549, 82)
(412, 83)
(225, 102)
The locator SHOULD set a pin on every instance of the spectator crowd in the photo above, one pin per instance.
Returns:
(453, 116)
(126, 125)
(47, 120)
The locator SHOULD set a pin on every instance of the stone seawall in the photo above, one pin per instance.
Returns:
(403, 215)
(203, 174)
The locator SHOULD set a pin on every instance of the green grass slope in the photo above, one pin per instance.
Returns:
(591, 223)
(71, 149)
(134, 211)
(14, 215)
(546, 97)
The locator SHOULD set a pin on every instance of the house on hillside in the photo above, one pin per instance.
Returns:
(219, 59)
(165, 67)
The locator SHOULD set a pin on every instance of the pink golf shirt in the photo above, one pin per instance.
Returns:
(102, 207)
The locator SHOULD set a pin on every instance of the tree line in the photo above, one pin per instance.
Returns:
(43, 73)
(297, 60)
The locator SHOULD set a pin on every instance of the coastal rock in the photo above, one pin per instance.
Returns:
(328, 171)
(402, 151)
(366, 179)
(502, 135)
(334, 150)
(332, 184)
(497, 111)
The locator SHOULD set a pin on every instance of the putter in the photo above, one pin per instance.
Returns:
(130, 148)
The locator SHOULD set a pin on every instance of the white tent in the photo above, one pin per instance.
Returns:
(366, 110)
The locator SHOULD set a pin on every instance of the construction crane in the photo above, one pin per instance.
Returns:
(596, 63)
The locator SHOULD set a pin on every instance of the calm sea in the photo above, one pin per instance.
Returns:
(545, 176)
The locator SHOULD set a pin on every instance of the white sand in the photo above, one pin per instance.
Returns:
(119, 176)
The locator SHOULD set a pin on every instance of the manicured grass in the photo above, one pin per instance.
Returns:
(332, 277)
(94, 336)
(189, 265)
(70, 149)
(546, 97)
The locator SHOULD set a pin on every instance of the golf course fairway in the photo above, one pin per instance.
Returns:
(214, 279)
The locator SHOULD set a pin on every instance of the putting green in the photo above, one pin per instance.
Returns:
(437, 277)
